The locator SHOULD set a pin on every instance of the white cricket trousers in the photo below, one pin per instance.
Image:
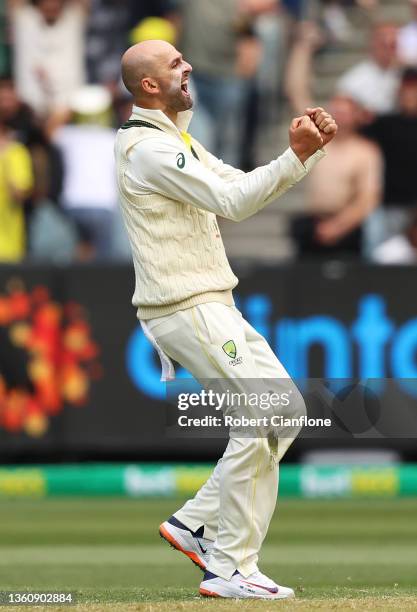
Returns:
(236, 504)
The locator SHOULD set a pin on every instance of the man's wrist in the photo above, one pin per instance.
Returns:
(302, 155)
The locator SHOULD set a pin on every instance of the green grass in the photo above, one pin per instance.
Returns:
(108, 550)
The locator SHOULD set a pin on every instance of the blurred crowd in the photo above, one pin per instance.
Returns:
(61, 100)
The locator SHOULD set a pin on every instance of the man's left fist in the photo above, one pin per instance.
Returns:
(325, 123)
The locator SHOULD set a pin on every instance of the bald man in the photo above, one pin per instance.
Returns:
(171, 190)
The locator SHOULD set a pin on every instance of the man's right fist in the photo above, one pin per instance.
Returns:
(305, 138)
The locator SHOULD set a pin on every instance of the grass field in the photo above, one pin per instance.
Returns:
(336, 554)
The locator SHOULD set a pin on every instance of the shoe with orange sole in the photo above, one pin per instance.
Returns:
(190, 543)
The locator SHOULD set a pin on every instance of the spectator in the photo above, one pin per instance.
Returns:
(89, 190)
(218, 41)
(15, 184)
(311, 35)
(400, 248)
(49, 51)
(343, 191)
(50, 236)
(16, 114)
(28, 130)
(396, 135)
(106, 40)
(270, 23)
(407, 39)
(373, 83)
(323, 23)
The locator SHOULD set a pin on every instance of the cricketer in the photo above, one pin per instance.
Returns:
(171, 190)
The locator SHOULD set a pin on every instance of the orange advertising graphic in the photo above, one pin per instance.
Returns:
(48, 361)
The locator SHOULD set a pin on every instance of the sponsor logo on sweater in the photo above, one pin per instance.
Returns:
(180, 160)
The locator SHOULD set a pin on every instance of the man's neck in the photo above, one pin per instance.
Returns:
(171, 114)
(384, 65)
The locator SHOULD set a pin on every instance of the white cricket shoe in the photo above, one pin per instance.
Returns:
(255, 586)
(191, 543)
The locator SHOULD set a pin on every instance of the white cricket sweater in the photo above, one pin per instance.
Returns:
(170, 199)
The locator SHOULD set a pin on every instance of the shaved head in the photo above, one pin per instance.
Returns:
(157, 76)
(142, 60)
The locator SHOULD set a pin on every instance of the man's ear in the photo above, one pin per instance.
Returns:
(149, 85)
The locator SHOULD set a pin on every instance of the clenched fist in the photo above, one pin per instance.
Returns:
(305, 138)
(311, 132)
(324, 121)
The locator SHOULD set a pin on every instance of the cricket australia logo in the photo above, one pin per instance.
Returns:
(229, 348)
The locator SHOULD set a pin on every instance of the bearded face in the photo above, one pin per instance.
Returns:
(174, 85)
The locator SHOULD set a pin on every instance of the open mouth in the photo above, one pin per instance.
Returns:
(184, 87)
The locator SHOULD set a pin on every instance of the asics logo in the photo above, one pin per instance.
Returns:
(180, 160)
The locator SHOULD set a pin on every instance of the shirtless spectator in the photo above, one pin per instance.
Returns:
(374, 82)
(343, 191)
(49, 49)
